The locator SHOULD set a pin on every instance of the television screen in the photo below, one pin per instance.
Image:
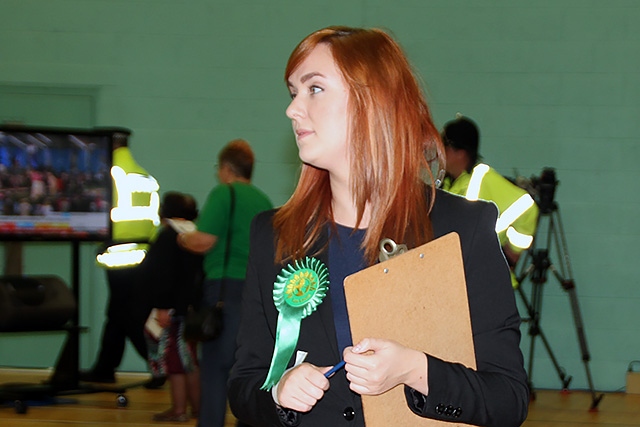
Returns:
(55, 184)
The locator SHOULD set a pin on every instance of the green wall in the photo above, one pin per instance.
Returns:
(551, 83)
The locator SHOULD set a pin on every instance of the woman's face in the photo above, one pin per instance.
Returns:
(318, 111)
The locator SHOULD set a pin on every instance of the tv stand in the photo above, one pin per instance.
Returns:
(65, 379)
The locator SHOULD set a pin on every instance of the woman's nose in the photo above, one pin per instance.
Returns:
(294, 109)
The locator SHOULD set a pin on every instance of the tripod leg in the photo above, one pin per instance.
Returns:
(566, 380)
(586, 357)
(534, 331)
(570, 287)
(537, 274)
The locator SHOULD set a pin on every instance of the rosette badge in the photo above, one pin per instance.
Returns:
(297, 292)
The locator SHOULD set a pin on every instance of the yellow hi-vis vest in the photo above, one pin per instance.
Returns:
(518, 218)
(135, 213)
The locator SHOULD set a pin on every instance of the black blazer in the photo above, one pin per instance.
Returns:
(494, 395)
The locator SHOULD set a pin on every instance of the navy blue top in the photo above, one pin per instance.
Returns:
(345, 258)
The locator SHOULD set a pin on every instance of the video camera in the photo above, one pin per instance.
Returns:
(543, 190)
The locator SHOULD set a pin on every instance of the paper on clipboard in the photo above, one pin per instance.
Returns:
(418, 299)
(181, 225)
(152, 326)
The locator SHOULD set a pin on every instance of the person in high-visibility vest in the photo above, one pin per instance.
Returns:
(469, 177)
(134, 216)
(135, 221)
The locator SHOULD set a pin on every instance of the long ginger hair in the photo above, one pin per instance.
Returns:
(392, 140)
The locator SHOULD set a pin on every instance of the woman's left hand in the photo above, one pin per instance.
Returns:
(375, 366)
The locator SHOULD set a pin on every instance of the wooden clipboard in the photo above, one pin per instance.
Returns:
(418, 299)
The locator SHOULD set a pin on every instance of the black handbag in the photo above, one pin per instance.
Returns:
(206, 323)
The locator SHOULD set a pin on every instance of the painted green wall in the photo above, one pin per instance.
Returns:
(551, 83)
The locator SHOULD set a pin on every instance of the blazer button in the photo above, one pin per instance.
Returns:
(449, 410)
(457, 412)
(440, 408)
(349, 414)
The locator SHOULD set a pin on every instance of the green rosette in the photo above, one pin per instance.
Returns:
(298, 290)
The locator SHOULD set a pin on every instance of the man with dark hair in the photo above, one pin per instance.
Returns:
(223, 237)
(468, 177)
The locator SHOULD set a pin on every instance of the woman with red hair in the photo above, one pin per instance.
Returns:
(367, 140)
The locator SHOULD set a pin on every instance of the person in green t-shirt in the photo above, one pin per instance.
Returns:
(223, 225)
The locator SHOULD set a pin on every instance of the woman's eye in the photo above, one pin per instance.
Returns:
(315, 89)
(292, 95)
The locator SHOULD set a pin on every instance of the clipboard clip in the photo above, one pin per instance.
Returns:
(389, 249)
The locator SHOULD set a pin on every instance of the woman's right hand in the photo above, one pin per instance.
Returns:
(301, 387)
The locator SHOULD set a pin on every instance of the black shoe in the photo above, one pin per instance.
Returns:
(95, 377)
(155, 383)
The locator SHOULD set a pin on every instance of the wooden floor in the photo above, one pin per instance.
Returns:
(551, 408)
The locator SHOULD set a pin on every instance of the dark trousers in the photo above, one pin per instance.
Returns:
(125, 320)
(217, 356)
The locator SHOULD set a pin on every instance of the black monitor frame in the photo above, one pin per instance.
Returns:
(80, 160)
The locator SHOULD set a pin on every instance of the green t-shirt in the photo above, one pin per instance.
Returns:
(214, 219)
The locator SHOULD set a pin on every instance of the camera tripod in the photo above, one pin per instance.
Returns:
(535, 266)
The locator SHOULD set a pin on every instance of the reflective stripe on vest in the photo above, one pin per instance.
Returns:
(511, 214)
(514, 212)
(130, 254)
(127, 184)
(518, 239)
(124, 255)
(476, 181)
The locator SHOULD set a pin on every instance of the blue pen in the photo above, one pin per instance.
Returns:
(335, 369)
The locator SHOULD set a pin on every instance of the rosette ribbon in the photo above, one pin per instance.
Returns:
(298, 290)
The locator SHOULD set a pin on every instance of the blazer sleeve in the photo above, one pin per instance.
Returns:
(256, 334)
(496, 394)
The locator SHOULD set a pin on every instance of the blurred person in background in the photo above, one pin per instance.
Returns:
(224, 222)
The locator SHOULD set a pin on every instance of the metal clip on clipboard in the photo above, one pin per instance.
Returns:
(389, 249)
